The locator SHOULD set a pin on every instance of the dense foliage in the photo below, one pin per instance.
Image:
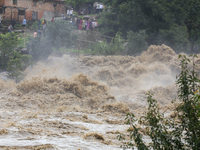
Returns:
(8, 43)
(136, 41)
(179, 133)
(10, 58)
(165, 19)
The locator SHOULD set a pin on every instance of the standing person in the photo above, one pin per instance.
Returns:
(73, 21)
(13, 23)
(10, 28)
(83, 24)
(81, 12)
(71, 12)
(44, 24)
(98, 8)
(39, 24)
(90, 9)
(68, 14)
(24, 24)
(93, 25)
(88, 25)
(52, 20)
(101, 8)
(77, 22)
(80, 24)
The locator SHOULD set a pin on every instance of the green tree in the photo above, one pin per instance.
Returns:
(176, 37)
(182, 132)
(153, 16)
(137, 15)
(8, 43)
(59, 34)
(187, 12)
(11, 59)
(17, 63)
(137, 42)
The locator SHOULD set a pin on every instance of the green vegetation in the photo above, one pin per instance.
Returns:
(172, 22)
(137, 41)
(22, 40)
(7, 46)
(35, 25)
(17, 63)
(114, 47)
(10, 58)
(179, 133)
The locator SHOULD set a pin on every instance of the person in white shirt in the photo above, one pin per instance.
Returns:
(68, 14)
(101, 8)
(24, 24)
(98, 8)
(10, 28)
(71, 12)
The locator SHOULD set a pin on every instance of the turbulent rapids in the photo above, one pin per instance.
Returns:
(80, 102)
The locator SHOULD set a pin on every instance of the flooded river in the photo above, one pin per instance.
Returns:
(80, 102)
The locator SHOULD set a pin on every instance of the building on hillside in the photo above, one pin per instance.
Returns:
(31, 9)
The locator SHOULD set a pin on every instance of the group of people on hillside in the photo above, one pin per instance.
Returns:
(83, 24)
(11, 26)
(79, 23)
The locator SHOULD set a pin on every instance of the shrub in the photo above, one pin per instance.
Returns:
(17, 63)
(35, 25)
(10, 59)
(8, 43)
(58, 34)
(112, 48)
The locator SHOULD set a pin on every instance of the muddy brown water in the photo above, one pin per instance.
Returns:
(81, 102)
